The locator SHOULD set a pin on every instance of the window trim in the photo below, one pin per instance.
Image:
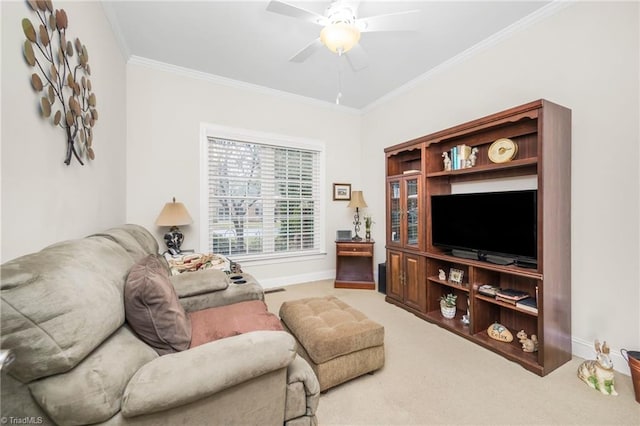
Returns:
(209, 130)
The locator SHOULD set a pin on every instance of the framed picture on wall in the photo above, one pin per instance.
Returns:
(341, 192)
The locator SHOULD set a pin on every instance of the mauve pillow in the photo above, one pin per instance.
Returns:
(230, 320)
(152, 308)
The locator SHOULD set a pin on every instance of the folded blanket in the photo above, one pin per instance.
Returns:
(199, 261)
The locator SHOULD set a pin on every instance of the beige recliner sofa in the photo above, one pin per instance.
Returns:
(78, 362)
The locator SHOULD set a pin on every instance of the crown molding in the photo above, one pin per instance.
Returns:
(539, 15)
(228, 82)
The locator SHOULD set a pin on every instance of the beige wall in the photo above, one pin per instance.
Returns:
(165, 108)
(43, 200)
(584, 57)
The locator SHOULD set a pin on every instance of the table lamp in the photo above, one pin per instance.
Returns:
(174, 214)
(357, 201)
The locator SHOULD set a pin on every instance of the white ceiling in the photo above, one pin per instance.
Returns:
(242, 41)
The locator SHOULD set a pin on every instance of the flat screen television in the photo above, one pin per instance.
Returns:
(499, 227)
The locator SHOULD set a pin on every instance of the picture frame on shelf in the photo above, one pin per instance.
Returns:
(343, 235)
(341, 192)
(456, 276)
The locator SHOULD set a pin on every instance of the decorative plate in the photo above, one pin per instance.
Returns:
(503, 150)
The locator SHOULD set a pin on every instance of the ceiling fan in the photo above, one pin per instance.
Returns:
(342, 28)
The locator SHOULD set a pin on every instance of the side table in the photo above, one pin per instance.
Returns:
(354, 265)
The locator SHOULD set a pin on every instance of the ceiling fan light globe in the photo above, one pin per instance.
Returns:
(340, 37)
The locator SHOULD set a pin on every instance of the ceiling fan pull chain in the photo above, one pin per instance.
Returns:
(339, 79)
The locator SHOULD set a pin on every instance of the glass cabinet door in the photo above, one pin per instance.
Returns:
(395, 211)
(412, 212)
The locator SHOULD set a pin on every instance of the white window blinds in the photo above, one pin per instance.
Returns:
(263, 199)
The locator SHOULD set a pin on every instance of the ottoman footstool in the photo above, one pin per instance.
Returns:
(338, 341)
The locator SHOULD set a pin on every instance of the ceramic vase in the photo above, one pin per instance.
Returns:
(447, 312)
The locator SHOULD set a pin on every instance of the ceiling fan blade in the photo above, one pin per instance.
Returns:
(357, 58)
(287, 9)
(307, 51)
(355, 5)
(399, 21)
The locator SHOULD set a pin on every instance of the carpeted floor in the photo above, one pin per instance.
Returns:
(432, 376)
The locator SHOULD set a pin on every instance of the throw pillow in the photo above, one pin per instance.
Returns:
(230, 320)
(152, 308)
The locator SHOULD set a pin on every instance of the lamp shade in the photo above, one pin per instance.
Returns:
(174, 214)
(340, 37)
(357, 200)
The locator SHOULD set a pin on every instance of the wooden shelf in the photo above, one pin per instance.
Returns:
(416, 173)
(542, 132)
(454, 324)
(504, 304)
(405, 160)
(508, 269)
(512, 350)
(525, 162)
(464, 288)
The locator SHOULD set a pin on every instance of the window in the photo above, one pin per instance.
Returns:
(263, 197)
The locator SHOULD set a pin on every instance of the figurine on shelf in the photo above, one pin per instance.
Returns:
(528, 344)
(442, 275)
(471, 161)
(499, 332)
(466, 317)
(598, 374)
(447, 161)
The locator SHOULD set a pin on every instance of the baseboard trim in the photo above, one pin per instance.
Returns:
(585, 349)
(268, 283)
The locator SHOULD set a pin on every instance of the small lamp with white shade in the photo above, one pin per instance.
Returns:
(357, 201)
(174, 214)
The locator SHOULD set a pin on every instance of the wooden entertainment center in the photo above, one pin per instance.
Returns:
(415, 171)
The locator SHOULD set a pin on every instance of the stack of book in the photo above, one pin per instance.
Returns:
(518, 298)
(459, 155)
(529, 304)
(511, 296)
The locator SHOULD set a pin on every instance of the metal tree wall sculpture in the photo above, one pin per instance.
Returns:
(65, 86)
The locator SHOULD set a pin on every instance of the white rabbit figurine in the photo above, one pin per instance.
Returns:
(442, 275)
(447, 161)
(598, 374)
(471, 161)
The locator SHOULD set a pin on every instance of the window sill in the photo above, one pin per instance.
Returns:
(275, 259)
